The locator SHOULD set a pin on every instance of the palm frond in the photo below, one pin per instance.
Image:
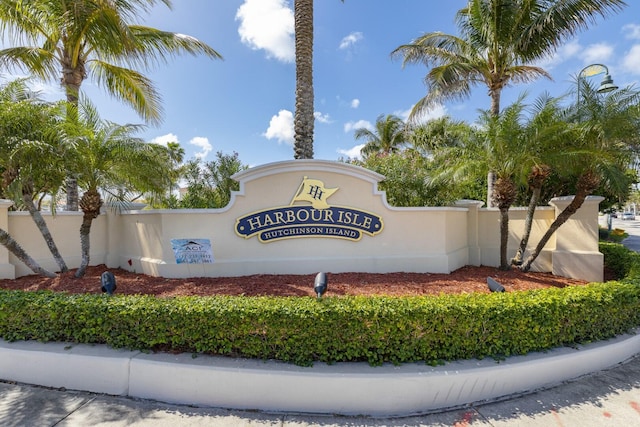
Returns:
(131, 87)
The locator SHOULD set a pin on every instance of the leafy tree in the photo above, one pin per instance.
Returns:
(107, 156)
(407, 181)
(388, 137)
(497, 43)
(97, 39)
(209, 184)
(437, 133)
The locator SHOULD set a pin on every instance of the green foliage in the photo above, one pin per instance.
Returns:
(28, 139)
(335, 329)
(209, 184)
(407, 181)
(620, 260)
(616, 235)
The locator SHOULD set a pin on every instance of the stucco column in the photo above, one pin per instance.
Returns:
(7, 270)
(473, 239)
(576, 253)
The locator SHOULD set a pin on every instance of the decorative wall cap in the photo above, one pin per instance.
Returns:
(569, 199)
(307, 166)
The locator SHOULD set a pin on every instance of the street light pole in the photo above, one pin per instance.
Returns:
(593, 70)
(605, 86)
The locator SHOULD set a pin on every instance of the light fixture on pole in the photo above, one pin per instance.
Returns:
(593, 70)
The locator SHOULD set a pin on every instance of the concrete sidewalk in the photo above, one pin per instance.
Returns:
(607, 398)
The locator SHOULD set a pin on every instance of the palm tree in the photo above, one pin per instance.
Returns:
(388, 137)
(303, 120)
(605, 131)
(436, 133)
(28, 140)
(97, 39)
(106, 156)
(499, 145)
(498, 42)
(545, 133)
(12, 246)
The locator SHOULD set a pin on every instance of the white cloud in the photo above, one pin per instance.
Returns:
(435, 112)
(281, 127)
(322, 118)
(355, 103)
(632, 31)
(46, 91)
(352, 153)
(204, 145)
(268, 25)
(351, 40)
(599, 52)
(165, 139)
(631, 61)
(562, 54)
(349, 126)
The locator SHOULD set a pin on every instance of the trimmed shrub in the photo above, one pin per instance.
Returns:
(302, 330)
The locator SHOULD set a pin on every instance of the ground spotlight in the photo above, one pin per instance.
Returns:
(108, 282)
(320, 284)
(494, 286)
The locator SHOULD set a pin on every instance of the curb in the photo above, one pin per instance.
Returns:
(342, 388)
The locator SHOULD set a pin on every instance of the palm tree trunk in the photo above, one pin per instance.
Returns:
(491, 176)
(504, 195)
(12, 246)
(528, 223)
(491, 183)
(72, 78)
(90, 204)
(504, 238)
(85, 230)
(44, 230)
(303, 121)
(72, 193)
(587, 182)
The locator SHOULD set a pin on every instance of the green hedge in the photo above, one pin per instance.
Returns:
(303, 330)
(620, 260)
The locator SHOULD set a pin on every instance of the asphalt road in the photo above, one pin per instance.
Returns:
(632, 227)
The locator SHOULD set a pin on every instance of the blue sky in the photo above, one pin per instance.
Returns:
(245, 103)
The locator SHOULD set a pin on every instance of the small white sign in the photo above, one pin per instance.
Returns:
(192, 251)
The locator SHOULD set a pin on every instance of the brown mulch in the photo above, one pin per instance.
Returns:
(464, 280)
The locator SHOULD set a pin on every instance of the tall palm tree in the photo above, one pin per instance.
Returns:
(497, 43)
(303, 120)
(108, 156)
(71, 40)
(388, 137)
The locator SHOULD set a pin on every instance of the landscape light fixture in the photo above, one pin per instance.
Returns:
(320, 284)
(108, 283)
(494, 286)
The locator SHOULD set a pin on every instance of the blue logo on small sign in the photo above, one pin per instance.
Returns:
(316, 220)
